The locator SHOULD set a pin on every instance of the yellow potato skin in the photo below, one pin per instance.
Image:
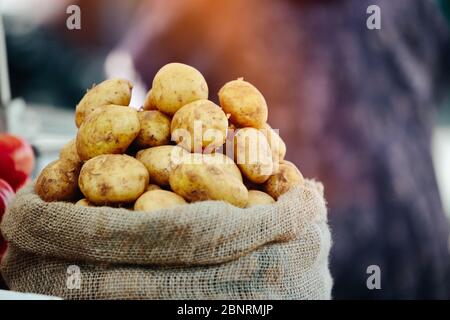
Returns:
(58, 181)
(253, 155)
(155, 129)
(228, 165)
(276, 144)
(256, 198)
(84, 203)
(200, 119)
(287, 176)
(245, 104)
(69, 153)
(149, 102)
(286, 162)
(160, 161)
(175, 85)
(113, 179)
(108, 130)
(157, 200)
(207, 181)
(218, 159)
(109, 92)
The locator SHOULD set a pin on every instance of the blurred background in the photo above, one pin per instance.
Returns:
(367, 112)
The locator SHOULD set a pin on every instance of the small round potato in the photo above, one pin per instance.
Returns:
(155, 129)
(151, 187)
(256, 198)
(207, 181)
(108, 130)
(199, 125)
(157, 200)
(149, 103)
(58, 181)
(287, 176)
(84, 202)
(175, 85)
(160, 161)
(69, 153)
(277, 145)
(245, 104)
(253, 155)
(109, 92)
(113, 179)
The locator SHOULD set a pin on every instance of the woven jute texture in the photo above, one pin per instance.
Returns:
(205, 250)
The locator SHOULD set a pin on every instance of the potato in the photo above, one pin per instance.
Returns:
(84, 202)
(160, 161)
(109, 92)
(245, 104)
(256, 198)
(175, 85)
(227, 164)
(58, 181)
(277, 145)
(218, 159)
(287, 176)
(284, 161)
(113, 179)
(199, 124)
(207, 181)
(149, 103)
(69, 153)
(151, 187)
(253, 155)
(155, 129)
(157, 200)
(108, 130)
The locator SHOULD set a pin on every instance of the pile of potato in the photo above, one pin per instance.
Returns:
(178, 148)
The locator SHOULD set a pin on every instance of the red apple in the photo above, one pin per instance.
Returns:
(16, 160)
(6, 195)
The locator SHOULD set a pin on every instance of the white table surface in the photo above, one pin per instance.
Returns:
(12, 295)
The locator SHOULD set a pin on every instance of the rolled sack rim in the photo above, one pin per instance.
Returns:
(202, 233)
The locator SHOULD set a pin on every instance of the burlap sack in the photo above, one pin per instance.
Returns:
(207, 250)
